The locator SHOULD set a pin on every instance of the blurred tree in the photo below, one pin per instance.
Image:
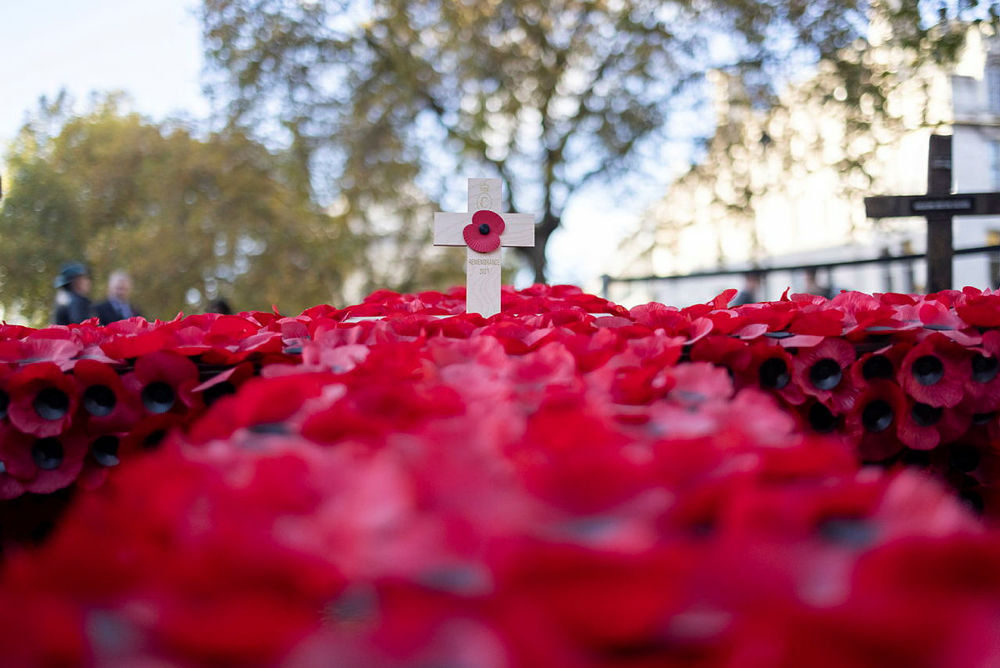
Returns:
(382, 98)
(819, 144)
(190, 219)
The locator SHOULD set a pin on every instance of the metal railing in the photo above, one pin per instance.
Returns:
(607, 281)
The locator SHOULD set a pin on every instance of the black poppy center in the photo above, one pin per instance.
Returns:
(853, 532)
(773, 373)
(99, 400)
(158, 397)
(153, 439)
(821, 419)
(4, 403)
(218, 391)
(964, 458)
(47, 453)
(484, 229)
(104, 450)
(916, 458)
(825, 374)
(973, 500)
(983, 418)
(925, 415)
(51, 404)
(877, 416)
(984, 369)
(927, 370)
(269, 428)
(877, 366)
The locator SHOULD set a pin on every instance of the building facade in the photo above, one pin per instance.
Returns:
(786, 187)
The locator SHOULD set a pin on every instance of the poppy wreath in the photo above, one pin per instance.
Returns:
(567, 483)
(892, 375)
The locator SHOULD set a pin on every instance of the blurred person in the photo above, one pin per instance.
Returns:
(72, 303)
(814, 287)
(118, 305)
(220, 306)
(753, 284)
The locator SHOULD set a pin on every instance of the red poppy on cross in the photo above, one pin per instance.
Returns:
(483, 230)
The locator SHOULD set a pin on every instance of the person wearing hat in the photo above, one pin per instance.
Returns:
(118, 305)
(72, 287)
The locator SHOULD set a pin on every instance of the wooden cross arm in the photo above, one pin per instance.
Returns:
(519, 229)
(965, 204)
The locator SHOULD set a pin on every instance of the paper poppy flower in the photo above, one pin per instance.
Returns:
(874, 420)
(43, 399)
(147, 435)
(696, 382)
(439, 489)
(577, 445)
(880, 364)
(936, 316)
(134, 338)
(40, 347)
(820, 418)
(936, 371)
(726, 351)
(5, 373)
(15, 453)
(30, 644)
(260, 343)
(58, 461)
(980, 310)
(224, 383)
(639, 385)
(822, 371)
(10, 487)
(103, 455)
(189, 340)
(483, 233)
(264, 406)
(982, 392)
(862, 311)
(164, 382)
(771, 368)
(106, 405)
(924, 427)
(655, 315)
(818, 319)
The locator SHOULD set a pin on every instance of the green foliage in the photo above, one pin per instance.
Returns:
(392, 98)
(187, 217)
(385, 100)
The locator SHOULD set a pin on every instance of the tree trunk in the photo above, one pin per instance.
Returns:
(536, 254)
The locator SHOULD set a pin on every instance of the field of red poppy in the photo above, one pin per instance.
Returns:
(804, 482)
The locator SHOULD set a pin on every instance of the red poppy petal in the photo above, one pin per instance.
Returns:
(474, 237)
(130, 345)
(491, 218)
(65, 454)
(10, 488)
(15, 453)
(165, 366)
(481, 243)
(41, 382)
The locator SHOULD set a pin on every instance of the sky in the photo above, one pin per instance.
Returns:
(151, 49)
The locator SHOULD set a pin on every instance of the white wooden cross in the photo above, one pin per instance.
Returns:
(482, 270)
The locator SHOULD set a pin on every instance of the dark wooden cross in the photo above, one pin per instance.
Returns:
(937, 206)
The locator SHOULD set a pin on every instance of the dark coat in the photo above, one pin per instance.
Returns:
(744, 297)
(71, 308)
(108, 312)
